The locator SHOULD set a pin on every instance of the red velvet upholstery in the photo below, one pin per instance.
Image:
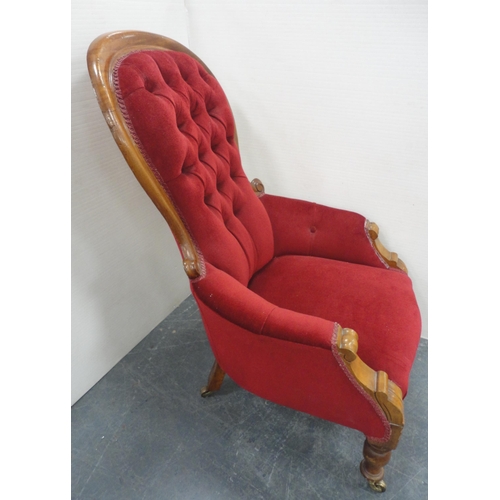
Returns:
(185, 127)
(319, 231)
(279, 275)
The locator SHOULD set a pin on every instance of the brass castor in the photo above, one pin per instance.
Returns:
(378, 486)
(205, 392)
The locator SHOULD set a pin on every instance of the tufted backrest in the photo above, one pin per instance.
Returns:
(181, 121)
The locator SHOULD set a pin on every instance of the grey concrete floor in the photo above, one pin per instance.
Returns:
(143, 432)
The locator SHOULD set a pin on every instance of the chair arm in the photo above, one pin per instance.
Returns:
(235, 302)
(231, 300)
(305, 228)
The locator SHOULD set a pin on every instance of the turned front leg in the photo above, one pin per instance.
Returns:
(372, 466)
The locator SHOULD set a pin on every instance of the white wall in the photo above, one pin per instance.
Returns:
(127, 274)
(330, 100)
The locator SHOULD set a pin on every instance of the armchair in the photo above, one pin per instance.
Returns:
(301, 303)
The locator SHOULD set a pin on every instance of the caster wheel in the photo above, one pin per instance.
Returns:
(378, 486)
(205, 392)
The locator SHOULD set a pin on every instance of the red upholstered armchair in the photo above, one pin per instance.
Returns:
(301, 303)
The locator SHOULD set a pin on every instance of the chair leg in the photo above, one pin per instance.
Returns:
(372, 466)
(214, 380)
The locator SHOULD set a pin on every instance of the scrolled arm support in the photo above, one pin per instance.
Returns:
(391, 258)
(375, 383)
(348, 344)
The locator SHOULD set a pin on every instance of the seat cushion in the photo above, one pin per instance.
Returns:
(378, 303)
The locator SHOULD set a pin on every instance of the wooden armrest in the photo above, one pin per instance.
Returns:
(391, 258)
(376, 384)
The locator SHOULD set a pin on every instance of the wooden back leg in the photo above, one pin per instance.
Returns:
(214, 380)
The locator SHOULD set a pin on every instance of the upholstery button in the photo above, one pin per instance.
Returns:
(312, 229)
